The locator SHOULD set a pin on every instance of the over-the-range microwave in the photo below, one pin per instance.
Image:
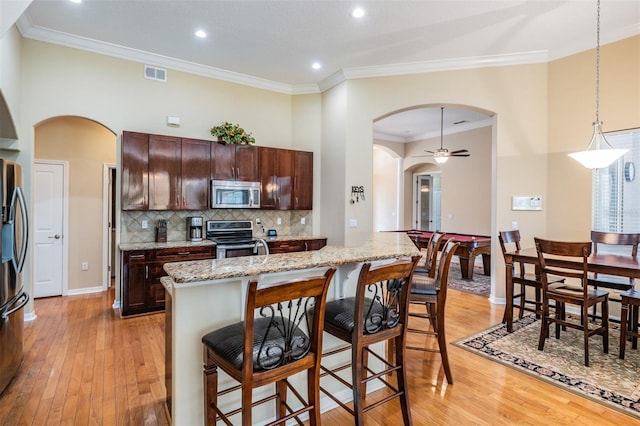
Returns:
(235, 195)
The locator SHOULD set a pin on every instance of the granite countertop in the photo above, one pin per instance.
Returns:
(173, 244)
(379, 246)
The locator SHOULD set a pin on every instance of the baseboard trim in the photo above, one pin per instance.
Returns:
(85, 290)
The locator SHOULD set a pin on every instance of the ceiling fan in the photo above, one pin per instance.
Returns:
(442, 154)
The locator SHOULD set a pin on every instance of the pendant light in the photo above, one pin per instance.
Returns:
(441, 156)
(599, 152)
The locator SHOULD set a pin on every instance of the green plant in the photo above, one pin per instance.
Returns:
(232, 134)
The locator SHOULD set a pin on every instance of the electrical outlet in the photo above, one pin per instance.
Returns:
(279, 221)
(353, 223)
(145, 224)
(258, 221)
(514, 225)
(303, 221)
(85, 266)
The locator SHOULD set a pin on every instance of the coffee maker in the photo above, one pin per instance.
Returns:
(194, 228)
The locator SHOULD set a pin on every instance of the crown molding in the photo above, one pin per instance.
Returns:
(28, 30)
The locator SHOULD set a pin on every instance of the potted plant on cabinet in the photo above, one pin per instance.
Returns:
(229, 133)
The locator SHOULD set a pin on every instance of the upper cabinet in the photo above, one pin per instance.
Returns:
(287, 179)
(173, 173)
(234, 162)
(302, 180)
(164, 172)
(135, 171)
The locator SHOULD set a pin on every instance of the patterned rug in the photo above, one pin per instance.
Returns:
(608, 380)
(480, 285)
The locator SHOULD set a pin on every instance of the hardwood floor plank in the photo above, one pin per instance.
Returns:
(86, 365)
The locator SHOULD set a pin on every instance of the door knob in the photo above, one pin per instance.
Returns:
(57, 236)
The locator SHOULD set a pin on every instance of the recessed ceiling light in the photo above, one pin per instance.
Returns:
(76, 1)
(316, 65)
(358, 12)
(201, 34)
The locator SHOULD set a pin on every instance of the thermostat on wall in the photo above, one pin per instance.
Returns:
(526, 203)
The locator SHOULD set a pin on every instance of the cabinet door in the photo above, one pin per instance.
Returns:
(268, 178)
(303, 180)
(135, 178)
(285, 179)
(135, 272)
(223, 161)
(194, 185)
(154, 290)
(247, 163)
(164, 173)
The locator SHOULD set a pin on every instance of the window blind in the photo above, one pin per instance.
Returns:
(616, 190)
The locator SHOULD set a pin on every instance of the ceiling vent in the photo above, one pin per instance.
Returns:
(154, 73)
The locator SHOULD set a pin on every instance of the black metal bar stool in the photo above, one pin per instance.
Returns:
(378, 313)
(280, 339)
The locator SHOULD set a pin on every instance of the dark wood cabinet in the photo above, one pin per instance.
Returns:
(302, 180)
(142, 291)
(194, 183)
(291, 246)
(164, 172)
(234, 162)
(135, 171)
(276, 168)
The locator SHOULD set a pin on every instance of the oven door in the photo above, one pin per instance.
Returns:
(235, 250)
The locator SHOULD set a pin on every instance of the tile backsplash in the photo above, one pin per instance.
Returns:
(131, 230)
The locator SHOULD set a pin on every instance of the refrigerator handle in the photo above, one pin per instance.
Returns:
(19, 259)
(21, 303)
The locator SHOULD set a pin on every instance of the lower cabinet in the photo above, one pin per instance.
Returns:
(142, 291)
(290, 246)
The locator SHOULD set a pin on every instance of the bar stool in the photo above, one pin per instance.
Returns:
(378, 313)
(432, 293)
(273, 338)
(629, 319)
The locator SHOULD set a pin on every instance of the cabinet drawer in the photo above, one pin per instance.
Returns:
(136, 256)
(286, 246)
(316, 244)
(180, 254)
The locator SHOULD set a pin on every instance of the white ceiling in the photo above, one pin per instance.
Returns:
(272, 43)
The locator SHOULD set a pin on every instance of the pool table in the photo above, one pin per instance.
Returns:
(470, 247)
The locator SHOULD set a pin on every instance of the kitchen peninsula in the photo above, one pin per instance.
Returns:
(204, 295)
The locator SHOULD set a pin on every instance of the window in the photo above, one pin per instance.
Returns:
(616, 189)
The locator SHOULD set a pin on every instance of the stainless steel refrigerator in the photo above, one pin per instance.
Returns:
(13, 297)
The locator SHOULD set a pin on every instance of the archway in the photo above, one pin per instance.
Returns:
(84, 147)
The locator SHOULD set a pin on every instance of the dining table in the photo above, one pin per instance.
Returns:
(601, 263)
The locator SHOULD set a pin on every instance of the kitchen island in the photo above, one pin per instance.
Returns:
(205, 295)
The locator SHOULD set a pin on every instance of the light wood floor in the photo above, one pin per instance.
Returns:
(85, 365)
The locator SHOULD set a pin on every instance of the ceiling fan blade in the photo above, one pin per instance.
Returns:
(459, 155)
(459, 151)
(430, 152)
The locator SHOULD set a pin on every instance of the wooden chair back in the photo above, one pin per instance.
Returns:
(614, 238)
(433, 248)
(563, 249)
(442, 277)
(388, 287)
(287, 304)
(511, 237)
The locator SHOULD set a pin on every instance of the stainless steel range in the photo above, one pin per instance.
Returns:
(234, 238)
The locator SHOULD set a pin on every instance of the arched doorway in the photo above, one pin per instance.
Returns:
(86, 153)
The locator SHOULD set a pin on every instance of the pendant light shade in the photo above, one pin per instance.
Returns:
(599, 152)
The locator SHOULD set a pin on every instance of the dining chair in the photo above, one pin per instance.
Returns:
(377, 313)
(510, 241)
(276, 340)
(432, 293)
(617, 284)
(549, 253)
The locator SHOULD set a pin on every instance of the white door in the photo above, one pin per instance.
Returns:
(49, 252)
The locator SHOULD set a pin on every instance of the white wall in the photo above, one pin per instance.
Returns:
(386, 192)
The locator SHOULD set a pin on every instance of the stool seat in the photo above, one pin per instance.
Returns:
(424, 285)
(340, 314)
(270, 349)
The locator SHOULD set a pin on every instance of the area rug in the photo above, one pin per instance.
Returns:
(608, 380)
(480, 285)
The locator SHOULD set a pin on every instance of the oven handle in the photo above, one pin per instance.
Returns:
(236, 246)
